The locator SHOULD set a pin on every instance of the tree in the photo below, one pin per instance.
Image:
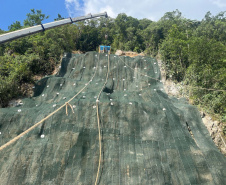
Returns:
(169, 19)
(58, 18)
(15, 26)
(208, 17)
(152, 36)
(35, 18)
(144, 23)
(126, 28)
(174, 51)
(1, 31)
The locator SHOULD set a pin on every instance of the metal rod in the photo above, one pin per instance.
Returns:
(39, 28)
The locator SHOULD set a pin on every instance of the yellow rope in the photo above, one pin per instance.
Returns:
(68, 104)
(34, 126)
(98, 122)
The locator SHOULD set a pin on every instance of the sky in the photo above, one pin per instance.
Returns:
(16, 10)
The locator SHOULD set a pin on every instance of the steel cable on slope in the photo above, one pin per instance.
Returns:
(98, 122)
(37, 124)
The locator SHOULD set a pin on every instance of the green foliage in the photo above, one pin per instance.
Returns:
(58, 18)
(174, 50)
(15, 26)
(18, 47)
(14, 71)
(208, 70)
(2, 46)
(9, 89)
(193, 52)
(88, 39)
(152, 36)
(2, 49)
(126, 33)
(34, 18)
(1, 31)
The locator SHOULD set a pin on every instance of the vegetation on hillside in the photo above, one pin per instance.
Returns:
(193, 52)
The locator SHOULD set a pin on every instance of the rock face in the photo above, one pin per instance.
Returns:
(118, 52)
(147, 137)
(214, 128)
(128, 53)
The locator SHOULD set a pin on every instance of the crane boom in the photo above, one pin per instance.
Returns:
(42, 27)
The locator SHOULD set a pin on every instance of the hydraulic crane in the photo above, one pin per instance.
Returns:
(39, 28)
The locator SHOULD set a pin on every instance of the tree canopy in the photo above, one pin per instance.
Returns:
(35, 18)
(193, 52)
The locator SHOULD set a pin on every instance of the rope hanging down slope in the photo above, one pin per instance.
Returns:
(98, 122)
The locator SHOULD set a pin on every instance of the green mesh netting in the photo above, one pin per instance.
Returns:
(145, 133)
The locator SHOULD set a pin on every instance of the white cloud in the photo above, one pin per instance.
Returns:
(114, 7)
(151, 9)
(74, 7)
(219, 3)
(109, 10)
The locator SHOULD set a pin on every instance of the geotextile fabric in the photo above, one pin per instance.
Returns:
(147, 137)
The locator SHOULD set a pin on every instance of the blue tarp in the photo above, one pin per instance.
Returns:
(108, 48)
